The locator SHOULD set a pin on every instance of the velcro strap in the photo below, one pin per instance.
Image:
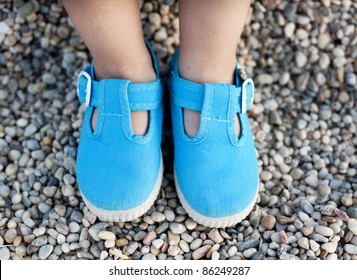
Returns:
(141, 96)
(191, 95)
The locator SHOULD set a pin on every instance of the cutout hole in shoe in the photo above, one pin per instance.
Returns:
(237, 125)
(94, 119)
(140, 122)
(191, 121)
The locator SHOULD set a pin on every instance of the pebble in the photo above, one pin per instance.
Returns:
(106, 235)
(149, 257)
(215, 256)
(300, 59)
(173, 250)
(325, 231)
(330, 247)
(350, 249)
(149, 237)
(196, 244)
(10, 235)
(177, 228)
(304, 243)
(268, 221)
(352, 226)
(157, 243)
(249, 252)
(215, 236)
(4, 253)
(157, 217)
(306, 206)
(200, 252)
(45, 251)
(130, 248)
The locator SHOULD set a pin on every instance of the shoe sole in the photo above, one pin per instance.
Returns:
(129, 214)
(222, 222)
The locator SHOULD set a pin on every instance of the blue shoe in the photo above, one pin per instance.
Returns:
(119, 173)
(216, 173)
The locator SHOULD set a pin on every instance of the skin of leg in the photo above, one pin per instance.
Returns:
(113, 33)
(209, 33)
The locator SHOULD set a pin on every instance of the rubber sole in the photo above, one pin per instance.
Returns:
(129, 214)
(213, 222)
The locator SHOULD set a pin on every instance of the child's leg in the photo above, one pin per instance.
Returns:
(112, 31)
(209, 34)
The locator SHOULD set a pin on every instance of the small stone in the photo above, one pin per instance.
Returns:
(190, 224)
(249, 252)
(40, 241)
(352, 226)
(173, 250)
(196, 244)
(4, 253)
(149, 257)
(251, 243)
(346, 199)
(215, 256)
(232, 251)
(323, 40)
(174, 239)
(215, 236)
(306, 206)
(300, 59)
(304, 243)
(4, 28)
(45, 251)
(169, 215)
(325, 231)
(265, 176)
(130, 248)
(121, 242)
(289, 29)
(268, 221)
(157, 217)
(157, 243)
(330, 247)
(312, 180)
(29, 222)
(25, 10)
(106, 235)
(350, 249)
(149, 237)
(10, 235)
(177, 228)
(200, 252)
(314, 245)
(271, 104)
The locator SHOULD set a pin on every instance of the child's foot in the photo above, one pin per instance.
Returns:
(119, 174)
(216, 172)
(143, 73)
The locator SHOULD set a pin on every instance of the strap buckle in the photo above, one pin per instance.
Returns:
(245, 84)
(88, 86)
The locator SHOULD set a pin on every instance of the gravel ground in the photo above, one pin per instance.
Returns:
(302, 56)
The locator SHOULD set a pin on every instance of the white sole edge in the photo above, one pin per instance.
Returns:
(130, 214)
(213, 222)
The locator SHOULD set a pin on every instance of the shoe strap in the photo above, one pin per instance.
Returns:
(140, 96)
(191, 95)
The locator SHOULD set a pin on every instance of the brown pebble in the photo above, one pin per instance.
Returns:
(348, 237)
(323, 254)
(268, 221)
(285, 220)
(283, 237)
(329, 219)
(121, 242)
(215, 236)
